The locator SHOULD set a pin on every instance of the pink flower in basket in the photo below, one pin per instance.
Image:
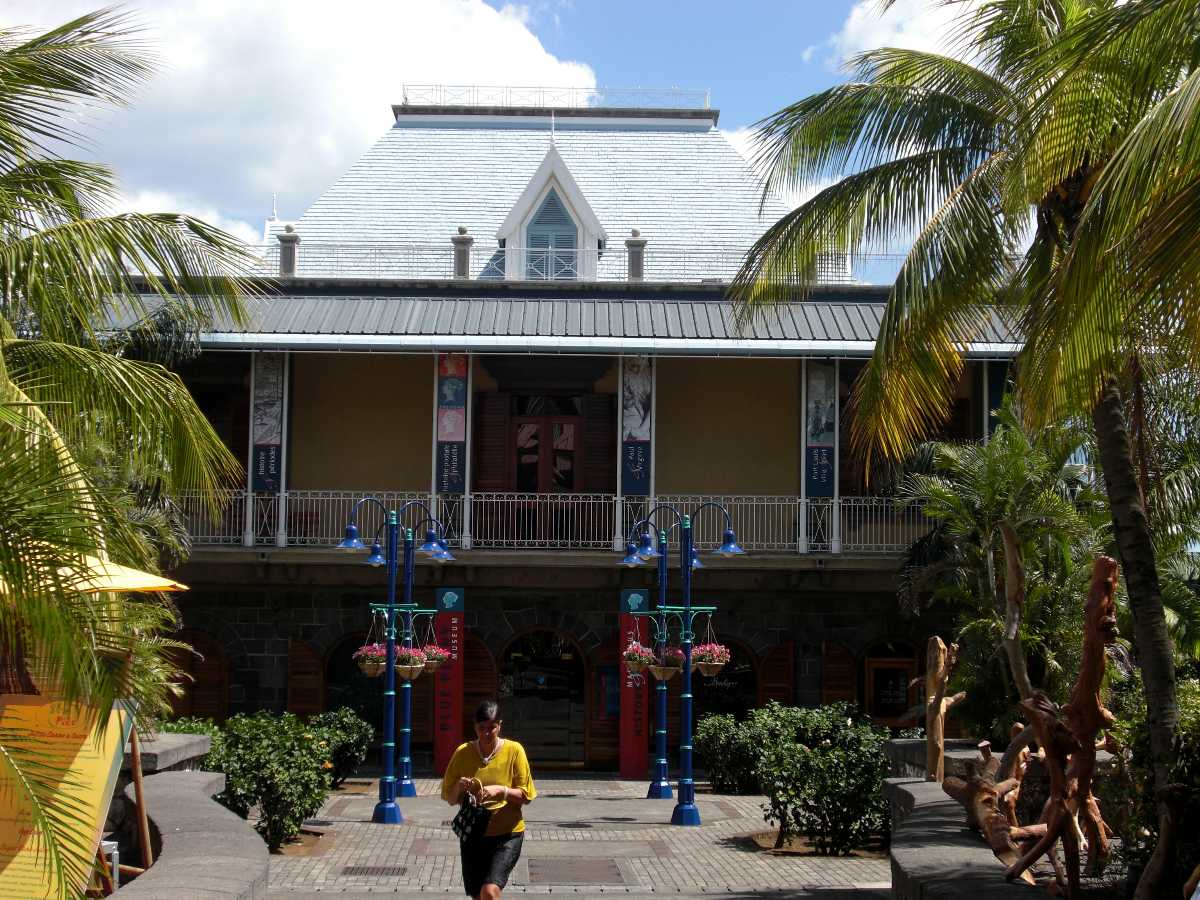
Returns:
(673, 656)
(434, 652)
(710, 653)
(409, 656)
(371, 651)
(638, 653)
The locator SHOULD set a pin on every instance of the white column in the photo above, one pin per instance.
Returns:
(470, 410)
(835, 541)
(619, 506)
(653, 430)
(433, 437)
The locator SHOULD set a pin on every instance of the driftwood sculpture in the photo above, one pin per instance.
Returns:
(939, 663)
(1067, 746)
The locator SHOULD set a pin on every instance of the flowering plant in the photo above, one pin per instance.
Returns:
(673, 656)
(409, 656)
(433, 651)
(638, 653)
(710, 653)
(371, 652)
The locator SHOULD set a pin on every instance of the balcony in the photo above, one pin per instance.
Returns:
(857, 526)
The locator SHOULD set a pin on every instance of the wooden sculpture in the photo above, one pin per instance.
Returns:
(939, 663)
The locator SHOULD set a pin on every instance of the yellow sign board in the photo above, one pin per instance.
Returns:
(85, 760)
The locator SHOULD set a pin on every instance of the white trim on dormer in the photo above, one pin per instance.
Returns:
(552, 169)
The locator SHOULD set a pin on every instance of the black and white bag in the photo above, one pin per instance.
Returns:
(471, 820)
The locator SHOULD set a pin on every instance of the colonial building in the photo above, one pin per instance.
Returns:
(517, 314)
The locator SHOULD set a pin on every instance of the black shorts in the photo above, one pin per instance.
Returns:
(490, 860)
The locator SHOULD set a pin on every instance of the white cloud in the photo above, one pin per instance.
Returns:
(914, 24)
(256, 98)
(165, 201)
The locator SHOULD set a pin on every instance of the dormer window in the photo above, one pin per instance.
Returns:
(553, 242)
(550, 230)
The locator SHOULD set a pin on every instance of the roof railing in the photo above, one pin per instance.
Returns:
(555, 97)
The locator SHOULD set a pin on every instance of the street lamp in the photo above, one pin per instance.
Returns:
(685, 812)
(387, 811)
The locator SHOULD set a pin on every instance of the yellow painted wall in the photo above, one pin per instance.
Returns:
(361, 422)
(729, 426)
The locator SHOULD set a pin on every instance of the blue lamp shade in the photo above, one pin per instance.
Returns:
(729, 545)
(432, 545)
(442, 554)
(646, 549)
(631, 560)
(696, 564)
(351, 541)
(376, 558)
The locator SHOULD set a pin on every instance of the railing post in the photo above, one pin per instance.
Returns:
(835, 526)
(802, 526)
(618, 523)
(465, 539)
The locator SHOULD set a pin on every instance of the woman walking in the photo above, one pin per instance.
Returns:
(494, 772)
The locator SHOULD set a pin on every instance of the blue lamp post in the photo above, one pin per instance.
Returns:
(686, 811)
(387, 811)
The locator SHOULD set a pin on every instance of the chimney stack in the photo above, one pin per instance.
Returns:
(289, 251)
(462, 252)
(635, 250)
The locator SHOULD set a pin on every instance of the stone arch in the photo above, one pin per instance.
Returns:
(205, 677)
(500, 628)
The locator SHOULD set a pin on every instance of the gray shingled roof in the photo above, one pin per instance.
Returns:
(679, 181)
(583, 324)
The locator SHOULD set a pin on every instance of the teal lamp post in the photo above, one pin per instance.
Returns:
(387, 810)
(686, 812)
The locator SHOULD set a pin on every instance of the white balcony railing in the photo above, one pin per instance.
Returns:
(662, 263)
(554, 97)
(497, 521)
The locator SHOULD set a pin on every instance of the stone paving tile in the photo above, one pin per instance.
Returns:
(584, 817)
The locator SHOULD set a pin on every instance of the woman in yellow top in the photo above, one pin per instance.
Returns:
(496, 772)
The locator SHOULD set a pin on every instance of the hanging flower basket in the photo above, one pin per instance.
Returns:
(664, 673)
(637, 656)
(371, 658)
(710, 658)
(670, 665)
(410, 662)
(435, 656)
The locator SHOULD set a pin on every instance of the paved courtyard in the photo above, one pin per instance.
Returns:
(585, 835)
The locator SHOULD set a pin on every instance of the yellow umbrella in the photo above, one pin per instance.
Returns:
(96, 575)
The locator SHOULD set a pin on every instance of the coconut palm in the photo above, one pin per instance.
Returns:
(989, 166)
(71, 276)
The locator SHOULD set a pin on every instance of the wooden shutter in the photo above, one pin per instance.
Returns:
(599, 464)
(839, 674)
(493, 470)
(206, 682)
(479, 680)
(306, 679)
(776, 674)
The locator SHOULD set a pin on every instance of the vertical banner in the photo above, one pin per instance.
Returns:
(820, 429)
(448, 680)
(267, 422)
(634, 704)
(637, 410)
(452, 423)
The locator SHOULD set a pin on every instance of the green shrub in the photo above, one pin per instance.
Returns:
(349, 738)
(277, 764)
(193, 725)
(828, 785)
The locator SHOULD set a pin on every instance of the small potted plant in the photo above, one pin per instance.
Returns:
(710, 658)
(410, 662)
(434, 657)
(637, 656)
(669, 666)
(371, 658)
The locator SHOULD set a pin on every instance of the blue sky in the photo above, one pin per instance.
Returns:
(756, 57)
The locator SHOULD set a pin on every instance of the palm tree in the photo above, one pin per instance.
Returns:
(997, 500)
(70, 276)
(1051, 127)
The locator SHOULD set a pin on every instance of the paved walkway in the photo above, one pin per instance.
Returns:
(585, 835)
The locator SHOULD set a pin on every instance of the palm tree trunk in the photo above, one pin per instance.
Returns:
(1014, 601)
(1152, 643)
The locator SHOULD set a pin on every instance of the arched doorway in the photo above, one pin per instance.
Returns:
(206, 688)
(542, 691)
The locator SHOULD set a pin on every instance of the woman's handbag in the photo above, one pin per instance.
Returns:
(472, 819)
